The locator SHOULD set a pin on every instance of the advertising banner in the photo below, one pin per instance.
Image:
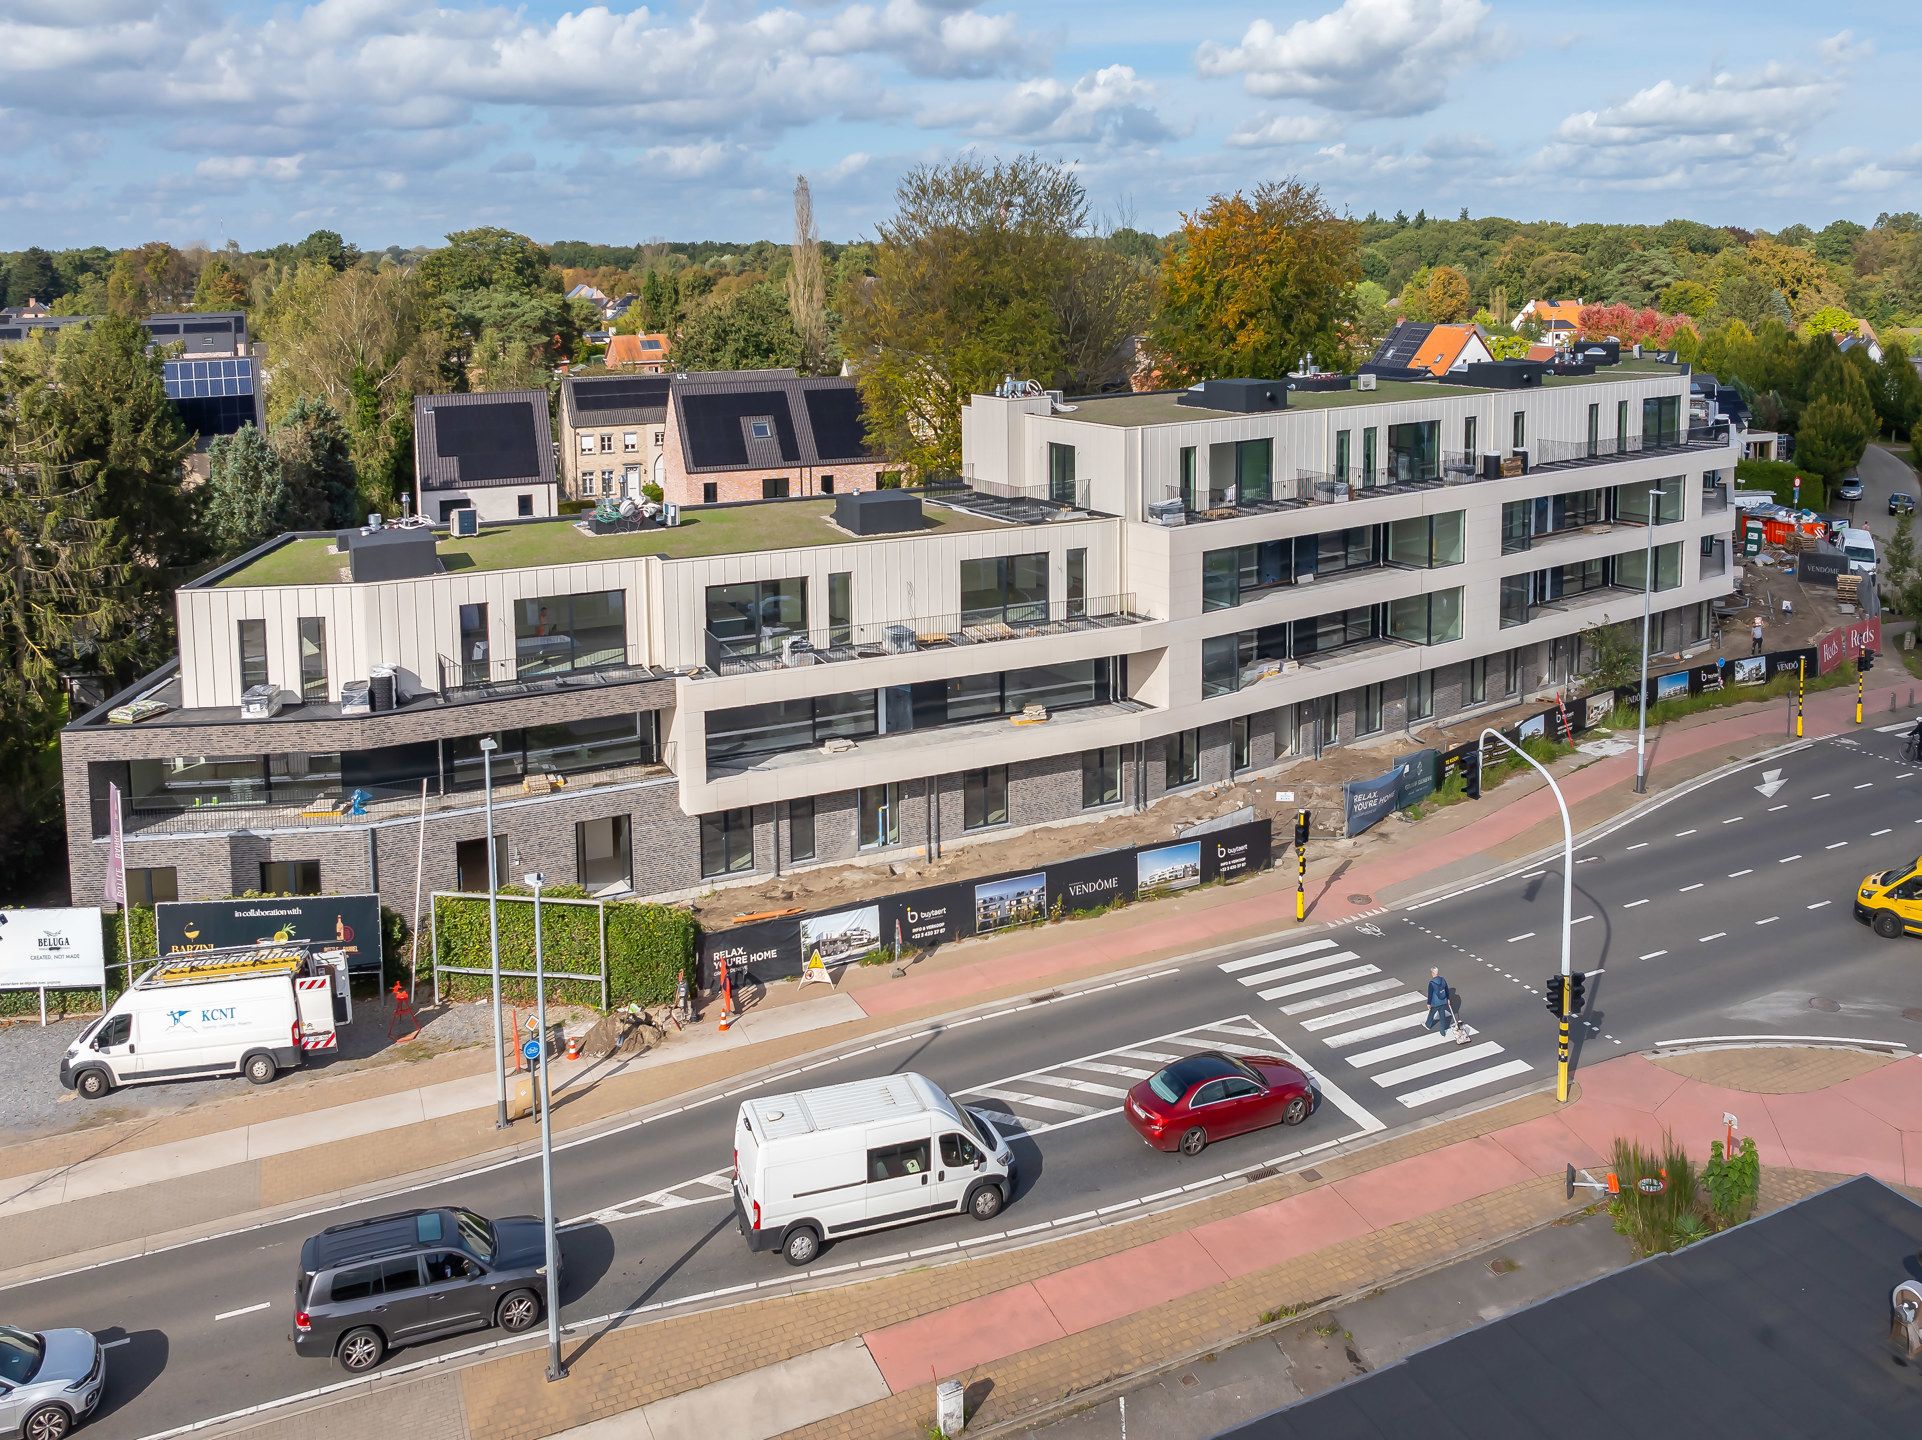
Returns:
(1787, 662)
(930, 917)
(770, 948)
(1417, 776)
(1845, 642)
(1093, 880)
(1820, 567)
(1230, 854)
(1370, 800)
(345, 922)
(58, 949)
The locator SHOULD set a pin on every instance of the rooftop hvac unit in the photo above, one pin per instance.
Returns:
(354, 698)
(1167, 512)
(670, 514)
(261, 702)
(467, 521)
(898, 640)
(1364, 382)
(796, 650)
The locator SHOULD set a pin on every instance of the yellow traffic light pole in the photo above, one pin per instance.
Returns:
(1860, 655)
(1801, 670)
(1301, 865)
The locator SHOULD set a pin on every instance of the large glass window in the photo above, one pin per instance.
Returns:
(554, 634)
(1420, 702)
(780, 725)
(1059, 687)
(1414, 451)
(1427, 619)
(1468, 442)
(1554, 513)
(1578, 579)
(575, 746)
(1005, 589)
(474, 668)
(1426, 541)
(1341, 456)
(1368, 716)
(1634, 502)
(151, 885)
(1630, 567)
(753, 617)
(1254, 471)
(1101, 777)
(1077, 584)
(800, 828)
(1661, 421)
(252, 644)
(290, 877)
(1516, 600)
(1317, 634)
(1369, 439)
(1516, 525)
(984, 798)
(1357, 548)
(840, 607)
(879, 808)
(1220, 665)
(1621, 425)
(1240, 748)
(1181, 759)
(604, 855)
(727, 843)
(1475, 684)
(1188, 479)
(1518, 435)
(1061, 473)
(313, 657)
(1236, 576)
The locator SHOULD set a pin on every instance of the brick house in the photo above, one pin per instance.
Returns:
(734, 438)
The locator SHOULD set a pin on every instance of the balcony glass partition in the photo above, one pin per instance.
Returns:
(1414, 451)
(1246, 572)
(1517, 525)
(1336, 551)
(1630, 567)
(1517, 592)
(556, 634)
(1004, 589)
(1573, 511)
(1661, 421)
(1433, 619)
(1426, 542)
(1633, 502)
(1566, 581)
(1318, 634)
(1254, 471)
(1220, 665)
(753, 617)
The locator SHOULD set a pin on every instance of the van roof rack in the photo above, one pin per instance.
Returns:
(276, 959)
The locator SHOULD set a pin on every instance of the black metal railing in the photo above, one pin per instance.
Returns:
(727, 655)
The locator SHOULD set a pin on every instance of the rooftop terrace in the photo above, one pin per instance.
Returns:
(782, 525)
(1164, 407)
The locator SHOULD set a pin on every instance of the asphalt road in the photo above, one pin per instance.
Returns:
(1882, 472)
(1723, 911)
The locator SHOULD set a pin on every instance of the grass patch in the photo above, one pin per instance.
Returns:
(1691, 1204)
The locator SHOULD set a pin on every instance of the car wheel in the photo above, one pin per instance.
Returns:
(49, 1422)
(518, 1311)
(986, 1202)
(260, 1069)
(1193, 1141)
(1296, 1111)
(1888, 924)
(92, 1084)
(801, 1246)
(361, 1350)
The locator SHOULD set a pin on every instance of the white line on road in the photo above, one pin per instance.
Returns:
(1786, 858)
(1696, 886)
(1817, 905)
(1581, 920)
(1463, 1082)
(1361, 1012)
(1262, 959)
(1639, 845)
(1874, 833)
(244, 1310)
(1369, 1032)
(1654, 954)
(1517, 939)
(1400, 1047)
(1770, 921)
(1718, 935)
(1774, 808)
(1633, 903)
(1459, 1057)
(1316, 982)
(1738, 874)
(123, 1340)
(1373, 987)
(1731, 819)
(1683, 834)
(1836, 846)
(1865, 785)
(1823, 796)
(1300, 967)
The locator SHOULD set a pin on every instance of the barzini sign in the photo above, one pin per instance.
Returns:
(52, 949)
(350, 923)
(1847, 642)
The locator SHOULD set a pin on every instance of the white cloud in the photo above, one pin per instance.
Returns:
(1375, 57)
(1112, 105)
(964, 42)
(1264, 132)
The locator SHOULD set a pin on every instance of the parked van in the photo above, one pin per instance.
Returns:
(252, 1012)
(1858, 547)
(1890, 901)
(815, 1165)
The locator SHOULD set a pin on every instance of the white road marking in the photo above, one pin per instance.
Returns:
(1580, 920)
(1874, 833)
(1865, 785)
(1696, 886)
(1683, 834)
(1380, 1027)
(1836, 846)
(1774, 808)
(1127, 1072)
(1639, 845)
(1654, 955)
(1786, 858)
(123, 1340)
(1517, 939)
(1262, 959)
(1463, 1082)
(1078, 1083)
(1823, 796)
(1738, 874)
(1359, 1012)
(1009, 1096)
(1316, 982)
(1454, 1059)
(1159, 1056)
(1400, 1047)
(1718, 935)
(1300, 967)
(1770, 921)
(1731, 819)
(1817, 905)
(243, 1310)
(1633, 903)
(1373, 987)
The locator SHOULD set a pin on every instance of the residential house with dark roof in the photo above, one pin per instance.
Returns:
(613, 432)
(732, 438)
(1435, 349)
(492, 453)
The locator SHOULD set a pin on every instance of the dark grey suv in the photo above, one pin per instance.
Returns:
(371, 1285)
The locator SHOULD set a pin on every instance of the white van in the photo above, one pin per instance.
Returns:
(815, 1165)
(243, 1012)
(1858, 546)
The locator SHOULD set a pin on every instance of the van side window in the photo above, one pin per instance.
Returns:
(1909, 889)
(116, 1031)
(957, 1152)
(892, 1162)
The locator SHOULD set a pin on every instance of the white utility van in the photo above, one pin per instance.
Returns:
(252, 1012)
(1858, 547)
(815, 1165)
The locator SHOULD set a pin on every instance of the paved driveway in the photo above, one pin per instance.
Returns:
(1882, 470)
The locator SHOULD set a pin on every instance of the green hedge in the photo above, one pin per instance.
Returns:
(1778, 478)
(648, 946)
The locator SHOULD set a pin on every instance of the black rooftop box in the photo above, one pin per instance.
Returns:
(878, 512)
(1599, 352)
(1328, 380)
(1503, 374)
(1244, 397)
(1396, 372)
(391, 554)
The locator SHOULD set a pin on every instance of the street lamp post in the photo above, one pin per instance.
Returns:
(1641, 718)
(555, 1369)
(1568, 901)
(487, 747)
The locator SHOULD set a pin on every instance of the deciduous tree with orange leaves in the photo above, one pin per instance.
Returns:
(1252, 284)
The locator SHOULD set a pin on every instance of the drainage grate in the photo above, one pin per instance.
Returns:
(1822, 1002)
(1044, 998)
(1260, 1172)
(1361, 899)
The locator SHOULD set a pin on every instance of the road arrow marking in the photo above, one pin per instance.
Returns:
(1771, 782)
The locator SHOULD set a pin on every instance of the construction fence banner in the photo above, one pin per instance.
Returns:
(924, 919)
(1846, 642)
(346, 922)
(1418, 769)
(1369, 801)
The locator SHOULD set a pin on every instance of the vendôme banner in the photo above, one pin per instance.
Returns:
(772, 949)
(345, 922)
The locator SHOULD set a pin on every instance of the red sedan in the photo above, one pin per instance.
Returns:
(1211, 1096)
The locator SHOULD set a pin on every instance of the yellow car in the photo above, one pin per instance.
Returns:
(1891, 901)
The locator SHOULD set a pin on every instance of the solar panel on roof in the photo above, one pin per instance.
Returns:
(626, 393)
(489, 442)
(714, 430)
(839, 429)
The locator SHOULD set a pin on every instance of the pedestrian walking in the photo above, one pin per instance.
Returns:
(1755, 637)
(1440, 1011)
(1912, 747)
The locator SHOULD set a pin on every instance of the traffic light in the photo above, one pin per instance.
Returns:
(1577, 992)
(1552, 994)
(1867, 662)
(1472, 772)
(1301, 828)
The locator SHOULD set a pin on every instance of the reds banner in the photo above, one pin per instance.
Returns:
(1846, 642)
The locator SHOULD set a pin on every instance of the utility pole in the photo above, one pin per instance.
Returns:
(1641, 719)
(1301, 865)
(555, 1369)
(487, 747)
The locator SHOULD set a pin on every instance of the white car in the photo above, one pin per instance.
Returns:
(49, 1381)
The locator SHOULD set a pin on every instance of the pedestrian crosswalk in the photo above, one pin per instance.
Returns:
(1374, 1022)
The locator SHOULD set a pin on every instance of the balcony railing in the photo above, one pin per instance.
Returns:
(1715, 497)
(1715, 559)
(1545, 454)
(468, 681)
(872, 640)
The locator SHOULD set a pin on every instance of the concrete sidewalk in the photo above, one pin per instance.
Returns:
(1453, 841)
(1027, 1328)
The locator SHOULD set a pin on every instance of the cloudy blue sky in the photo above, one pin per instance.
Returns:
(394, 121)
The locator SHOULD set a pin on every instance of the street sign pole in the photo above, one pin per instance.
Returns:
(1801, 674)
(487, 748)
(1641, 716)
(1301, 866)
(555, 1369)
